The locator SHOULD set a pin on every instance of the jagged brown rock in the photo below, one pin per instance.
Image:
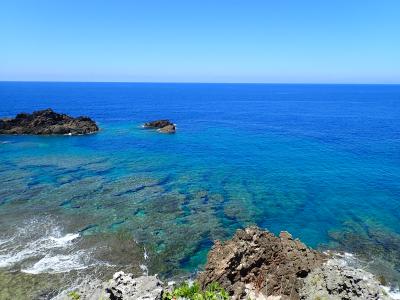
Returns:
(47, 122)
(262, 261)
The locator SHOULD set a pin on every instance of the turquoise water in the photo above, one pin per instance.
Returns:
(321, 161)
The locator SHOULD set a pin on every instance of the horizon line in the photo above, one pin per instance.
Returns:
(202, 82)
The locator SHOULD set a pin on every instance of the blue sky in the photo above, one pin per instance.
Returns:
(349, 41)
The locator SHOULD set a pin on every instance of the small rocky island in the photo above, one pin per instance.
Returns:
(47, 122)
(163, 126)
(255, 264)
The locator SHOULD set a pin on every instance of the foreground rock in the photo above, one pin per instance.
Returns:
(125, 286)
(47, 122)
(164, 126)
(256, 264)
(121, 287)
(258, 260)
(336, 281)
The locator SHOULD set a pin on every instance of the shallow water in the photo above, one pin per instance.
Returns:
(321, 161)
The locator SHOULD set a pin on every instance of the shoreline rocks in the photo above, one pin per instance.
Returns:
(125, 286)
(163, 126)
(335, 280)
(47, 122)
(258, 260)
(255, 264)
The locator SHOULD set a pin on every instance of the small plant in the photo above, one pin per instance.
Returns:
(74, 295)
(193, 292)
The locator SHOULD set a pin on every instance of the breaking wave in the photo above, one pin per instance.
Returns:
(39, 247)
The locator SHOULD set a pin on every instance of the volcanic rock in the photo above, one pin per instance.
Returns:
(164, 126)
(258, 260)
(47, 122)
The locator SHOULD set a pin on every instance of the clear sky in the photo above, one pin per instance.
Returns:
(349, 41)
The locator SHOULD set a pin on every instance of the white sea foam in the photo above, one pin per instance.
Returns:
(59, 263)
(46, 247)
(35, 248)
(393, 293)
(64, 240)
(144, 269)
(10, 259)
(6, 241)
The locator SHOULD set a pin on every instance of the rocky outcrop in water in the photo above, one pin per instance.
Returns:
(163, 126)
(258, 260)
(47, 122)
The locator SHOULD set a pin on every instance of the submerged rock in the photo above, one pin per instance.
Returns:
(374, 244)
(257, 260)
(164, 126)
(47, 122)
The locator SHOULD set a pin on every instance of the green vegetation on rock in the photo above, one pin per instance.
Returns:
(193, 292)
(74, 295)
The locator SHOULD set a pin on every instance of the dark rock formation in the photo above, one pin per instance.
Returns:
(46, 122)
(258, 260)
(158, 124)
(164, 126)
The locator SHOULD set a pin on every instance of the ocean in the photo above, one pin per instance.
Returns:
(320, 161)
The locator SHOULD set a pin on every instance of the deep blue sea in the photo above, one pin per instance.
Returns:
(320, 161)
